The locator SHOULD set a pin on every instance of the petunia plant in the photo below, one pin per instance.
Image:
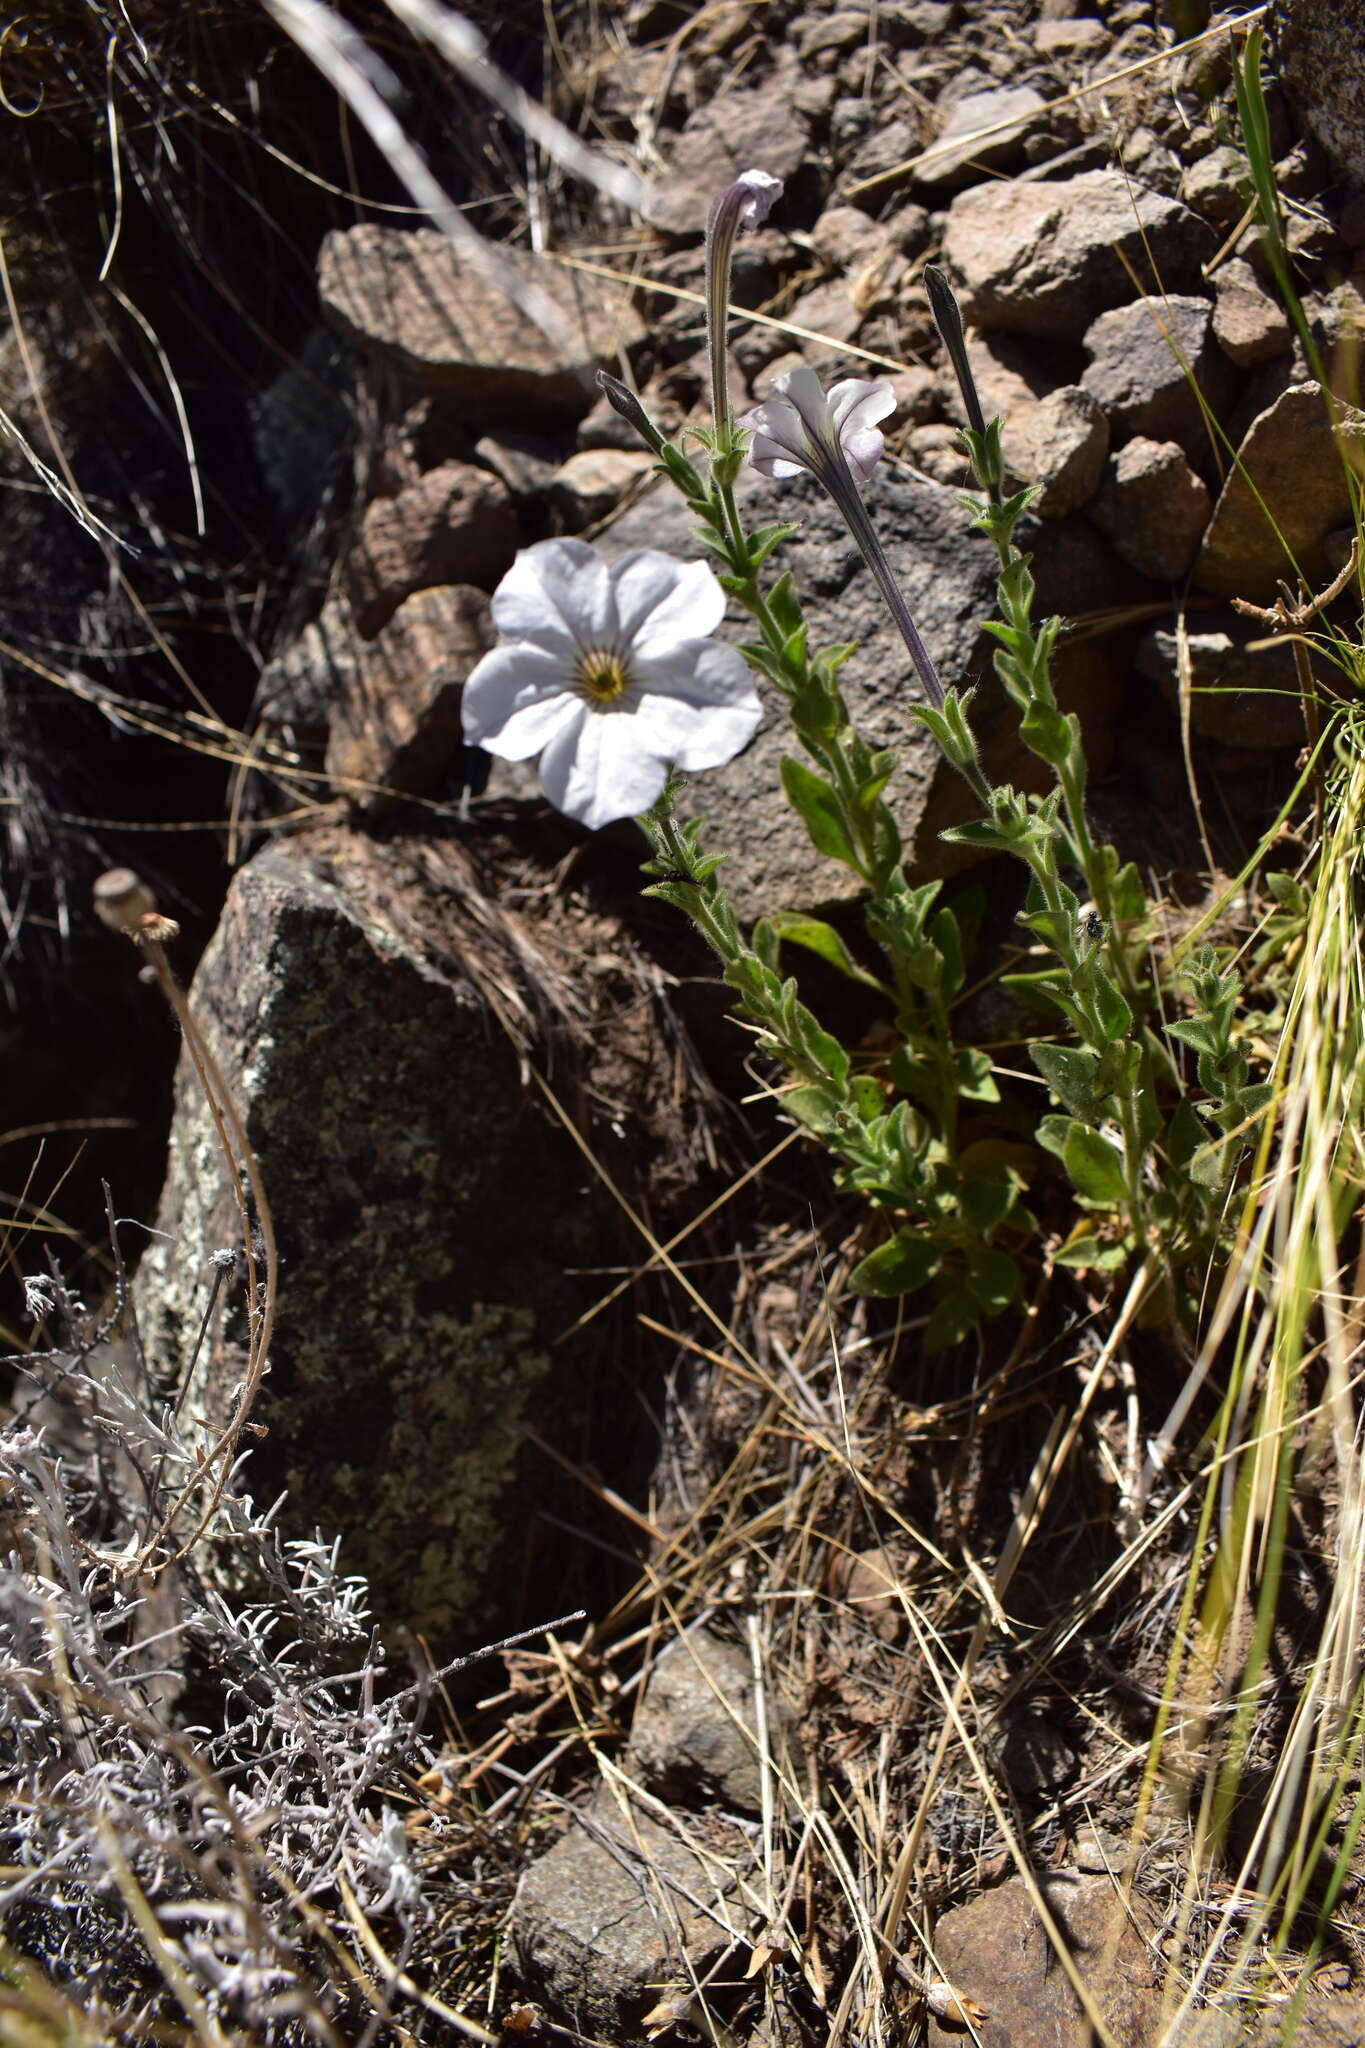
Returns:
(612, 675)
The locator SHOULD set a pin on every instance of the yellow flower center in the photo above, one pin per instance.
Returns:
(601, 676)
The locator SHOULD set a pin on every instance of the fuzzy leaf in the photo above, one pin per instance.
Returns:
(900, 1266)
(822, 939)
(1094, 1167)
(1071, 1072)
(814, 801)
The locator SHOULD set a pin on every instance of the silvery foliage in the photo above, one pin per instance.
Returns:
(235, 1820)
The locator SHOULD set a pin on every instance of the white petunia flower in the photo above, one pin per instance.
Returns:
(608, 673)
(803, 427)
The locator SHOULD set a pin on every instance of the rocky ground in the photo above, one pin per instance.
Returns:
(485, 1080)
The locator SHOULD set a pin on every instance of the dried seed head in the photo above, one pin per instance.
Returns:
(125, 903)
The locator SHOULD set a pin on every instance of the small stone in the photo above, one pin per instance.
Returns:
(619, 1910)
(1242, 691)
(523, 463)
(843, 236)
(454, 525)
(593, 482)
(1083, 37)
(739, 126)
(1215, 186)
(937, 450)
(838, 31)
(985, 130)
(916, 394)
(1047, 257)
(1060, 443)
(405, 296)
(996, 1952)
(694, 1736)
(1150, 364)
(1154, 509)
(395, 727)
(1249, 325)
(1284, 498)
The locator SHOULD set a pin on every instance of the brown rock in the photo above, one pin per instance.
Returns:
(741, 126)
(1046, 257)
(1283, 499)
(1081, 37)
(1249, 325)
(406, 297)
(995, 1951)
(1241, 690)
(395, 726)
(1142, 359)
(1216, 185)
(454, 525)
(1154, 509)
(593, 482)
(1060, 442)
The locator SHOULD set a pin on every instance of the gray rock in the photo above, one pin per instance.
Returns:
(1142, 358)
(1249, 323)
(1154, 508)
(395, 722)
(302, 685)
(949, 581)
(1321, 49)
(1244, 698)
(426, 1209)
(694, 1737)
(453, 525)
(1045, 258)
(405, 297)
(984, 131)
(622, 1911)
(1060, 443)
(1284, 498)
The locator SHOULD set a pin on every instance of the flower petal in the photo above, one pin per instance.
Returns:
(660, 600)
(761, 194)
(556, 593)
(779, 442)
(855, 403)
(803, 391)
(604, 769)
(515, 700)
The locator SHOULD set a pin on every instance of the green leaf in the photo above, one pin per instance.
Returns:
(1053, 1132)
(1197, 1032)
(992, 1278)
(1127, 894)
(1184, 1134)
(985, 1194)
(953, 1320)
(814, 800)
(1094, 1167)
(900, 1266)
(1089, 1253)
(764, 539)
(1114, 1013)
(1048, 733)
(975, 1075)
(822, 939)
(819, 1109)
(1071, 1072)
